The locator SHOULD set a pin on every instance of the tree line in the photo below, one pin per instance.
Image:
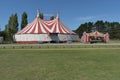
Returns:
(12, 27)
(113, 28)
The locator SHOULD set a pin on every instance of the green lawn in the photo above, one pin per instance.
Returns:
(82, 64)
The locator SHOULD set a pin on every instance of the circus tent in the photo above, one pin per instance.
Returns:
(45, 31)
(95, 37)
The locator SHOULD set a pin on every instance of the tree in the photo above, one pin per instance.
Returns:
(81, 29)
(113, 28)
(24, 21)
(41, 16)
(15, 23)
(99, 25)
(89, 26)
(3, 34)
(12, 26)
(52, 17)
(6, 38)
(86, 27)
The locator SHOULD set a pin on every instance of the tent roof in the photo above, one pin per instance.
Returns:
(96, 33)
(39, 26)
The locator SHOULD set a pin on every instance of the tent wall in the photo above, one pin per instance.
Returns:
(106, 37)
(85, 37)
(36, 38)
(66, 37)
(31, 37)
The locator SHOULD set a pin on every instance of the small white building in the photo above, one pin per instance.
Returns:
(1, 40)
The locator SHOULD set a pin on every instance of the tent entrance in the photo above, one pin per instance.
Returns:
(54, 37)
(94, 39)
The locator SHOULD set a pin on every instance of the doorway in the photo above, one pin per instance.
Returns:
(54, 37)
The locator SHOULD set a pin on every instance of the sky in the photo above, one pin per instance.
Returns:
(72, 13)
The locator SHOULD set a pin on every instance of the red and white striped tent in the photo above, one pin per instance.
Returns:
(45, 31)
(94, 36)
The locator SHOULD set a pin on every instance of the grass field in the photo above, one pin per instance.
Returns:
(82, 64)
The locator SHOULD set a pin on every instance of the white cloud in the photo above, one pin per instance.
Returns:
(87, 18)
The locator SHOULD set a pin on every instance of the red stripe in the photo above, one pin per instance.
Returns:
(33, 30)
(39, 28)
(30, 26)
(45, 28)
(54, 31)
(59, 27)
(50, 26)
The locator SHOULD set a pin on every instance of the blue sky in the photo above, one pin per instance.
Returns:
(72, 12)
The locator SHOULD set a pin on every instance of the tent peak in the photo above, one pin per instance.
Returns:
(57, 15)
(38, 12)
